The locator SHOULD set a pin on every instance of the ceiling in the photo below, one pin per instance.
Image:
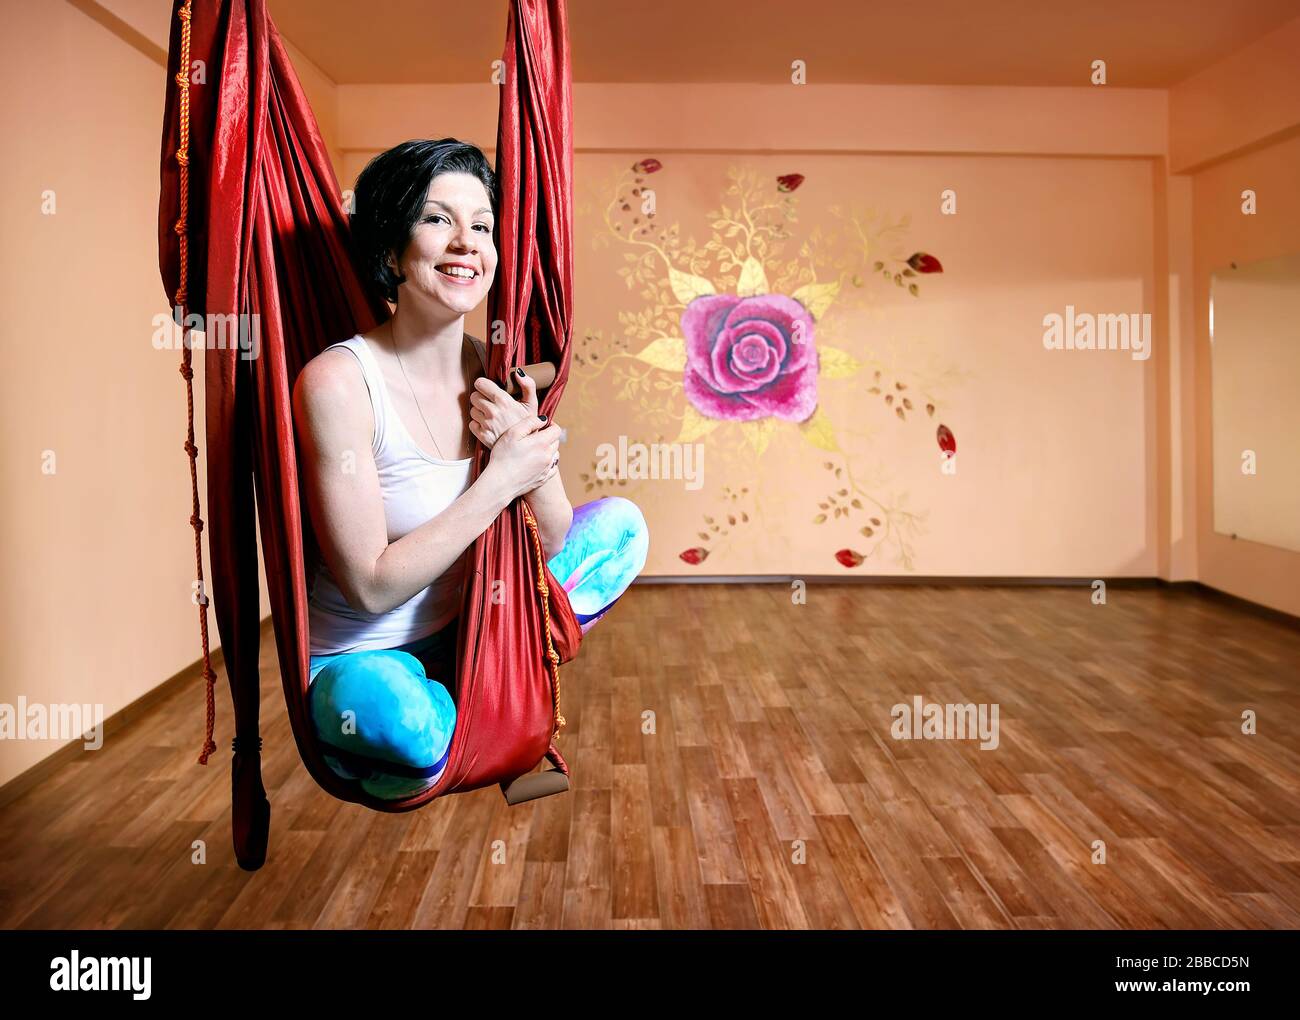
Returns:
(1145, 43)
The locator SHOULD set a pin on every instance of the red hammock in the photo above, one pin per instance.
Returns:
(251, 223)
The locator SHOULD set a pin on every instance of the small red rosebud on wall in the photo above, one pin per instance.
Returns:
(647, 166)
(788, 182)
(849, 558)
(923, 263)
(694, 556)
(947, 441)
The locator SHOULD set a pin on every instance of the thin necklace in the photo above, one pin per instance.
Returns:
(393, 337)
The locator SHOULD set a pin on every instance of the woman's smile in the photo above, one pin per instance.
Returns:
(460, 273)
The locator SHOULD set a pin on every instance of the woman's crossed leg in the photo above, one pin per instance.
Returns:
(385, 723)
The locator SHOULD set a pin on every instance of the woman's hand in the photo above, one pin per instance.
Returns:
(526, 456)
(493, 411)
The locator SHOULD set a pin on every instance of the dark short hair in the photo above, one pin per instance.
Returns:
(390, 194)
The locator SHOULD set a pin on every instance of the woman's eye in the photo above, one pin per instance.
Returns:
(432, 217)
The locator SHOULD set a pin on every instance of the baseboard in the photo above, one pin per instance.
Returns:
(190, 676)
(959, 581)
(966, 581)
(1246, 605)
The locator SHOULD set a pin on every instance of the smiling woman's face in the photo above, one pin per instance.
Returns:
(454, 230)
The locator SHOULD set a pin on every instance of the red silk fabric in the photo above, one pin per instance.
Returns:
(268, 236)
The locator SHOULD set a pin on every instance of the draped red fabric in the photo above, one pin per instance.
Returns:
(267, 236)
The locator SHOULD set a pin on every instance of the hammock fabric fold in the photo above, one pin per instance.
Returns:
(252, 223)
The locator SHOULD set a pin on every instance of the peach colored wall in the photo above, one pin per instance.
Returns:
(152, 19)
(1263, 573)
(1237, 126)
(808, 118)
(1177, 353)
(103, 545)
(1058, 467)
(1244, 100)
(1054, 472)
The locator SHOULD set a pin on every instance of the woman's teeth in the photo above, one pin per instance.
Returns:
(467, 274)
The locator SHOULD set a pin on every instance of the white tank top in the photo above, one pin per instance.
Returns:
(415, 487)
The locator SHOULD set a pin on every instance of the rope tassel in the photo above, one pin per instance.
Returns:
(552, 656)
(187, 372)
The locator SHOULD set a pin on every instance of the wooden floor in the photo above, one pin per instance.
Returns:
(770, 793)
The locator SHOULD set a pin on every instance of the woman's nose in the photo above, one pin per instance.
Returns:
(463, 239)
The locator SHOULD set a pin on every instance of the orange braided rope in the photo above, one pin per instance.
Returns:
(196, 521)
(552, 656)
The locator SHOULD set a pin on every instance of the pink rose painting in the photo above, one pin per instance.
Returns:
(750, 357)
(736, 346)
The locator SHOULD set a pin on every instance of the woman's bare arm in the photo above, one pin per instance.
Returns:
(554, 514)
(334, 426)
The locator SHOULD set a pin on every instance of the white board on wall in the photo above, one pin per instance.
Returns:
(1255, 365)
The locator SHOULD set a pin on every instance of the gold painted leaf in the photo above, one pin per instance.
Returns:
(686, 286)
(695, 425)
(753, 280)
(817, 297)
(837, 364)
(668, 353)
(818, 431)
(759, 433)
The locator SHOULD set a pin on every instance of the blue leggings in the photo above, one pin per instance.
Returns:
(383, 721)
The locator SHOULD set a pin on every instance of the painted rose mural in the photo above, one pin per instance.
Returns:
(737, 339)
(750, 357)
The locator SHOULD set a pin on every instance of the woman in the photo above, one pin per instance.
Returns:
(386, 421)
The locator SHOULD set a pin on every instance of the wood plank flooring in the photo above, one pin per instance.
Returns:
(734, 767)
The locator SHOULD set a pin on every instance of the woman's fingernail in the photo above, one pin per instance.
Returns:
(542, 416)
(519, 372)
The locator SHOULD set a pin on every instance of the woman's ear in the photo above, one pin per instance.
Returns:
(391, 261)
